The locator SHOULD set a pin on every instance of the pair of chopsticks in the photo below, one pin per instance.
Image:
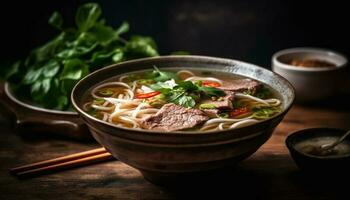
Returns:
(62, 163)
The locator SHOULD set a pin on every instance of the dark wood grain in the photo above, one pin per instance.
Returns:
(269, 174)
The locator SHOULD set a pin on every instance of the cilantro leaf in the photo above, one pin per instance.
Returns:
(185, 101)
(56, 20)
(87, 15)
(161, 76)
(211, 91)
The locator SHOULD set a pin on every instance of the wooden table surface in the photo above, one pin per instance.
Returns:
(269, 174)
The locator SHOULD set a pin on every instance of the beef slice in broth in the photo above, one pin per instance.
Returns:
(222, 103)
(172, 117)
(240, 85)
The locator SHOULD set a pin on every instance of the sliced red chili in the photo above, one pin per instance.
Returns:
(239, 111)
(147, 95)
(211, 84)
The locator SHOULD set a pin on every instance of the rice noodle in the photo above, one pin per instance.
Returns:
(241, 95)
(87, 105)
(137, 109)
(122, 78)
(199, 78)
(93, 92)
(105, 116)
(220, 120)
(103, 108)
(134, 84)
(185, 72)
(243, 123)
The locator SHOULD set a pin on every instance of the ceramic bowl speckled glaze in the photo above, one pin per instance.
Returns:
(164, 157)
(313, 83)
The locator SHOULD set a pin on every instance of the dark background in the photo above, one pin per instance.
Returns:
(247, 30)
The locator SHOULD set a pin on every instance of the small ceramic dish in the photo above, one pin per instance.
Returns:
(312, 83)
(304, 146)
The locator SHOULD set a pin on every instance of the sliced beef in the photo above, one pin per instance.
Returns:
(172, 117)
(213, 112)
(222, 103)
(240, 85)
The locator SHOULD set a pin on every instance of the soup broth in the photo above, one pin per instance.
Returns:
(184, 100)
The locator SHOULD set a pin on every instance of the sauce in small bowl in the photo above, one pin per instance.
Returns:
(305, 148)
(311, 63)
(313, 146)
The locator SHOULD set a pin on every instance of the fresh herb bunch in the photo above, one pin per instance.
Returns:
(49, 73)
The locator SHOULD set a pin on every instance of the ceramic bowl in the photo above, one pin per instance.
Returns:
(314, 163)
(165, 157)
(34, 121)
(312, 83)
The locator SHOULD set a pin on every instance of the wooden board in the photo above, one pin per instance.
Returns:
(269, 174)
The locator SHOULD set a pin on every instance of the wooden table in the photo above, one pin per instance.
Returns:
(269, 174)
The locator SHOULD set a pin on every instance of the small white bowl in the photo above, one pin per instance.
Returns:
(312, 83)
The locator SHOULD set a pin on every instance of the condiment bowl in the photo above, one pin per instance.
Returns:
(163, 157)
(314, 162)
(312, 83)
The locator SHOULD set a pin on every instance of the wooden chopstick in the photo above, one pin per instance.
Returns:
(61, 163)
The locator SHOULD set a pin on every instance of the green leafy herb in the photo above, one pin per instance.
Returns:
(224, 115)
(262, 93)
(87, 16)
(51, 70)
(185, 101)
(98, 101)
(157, 101)
(184, 93)
(56, 20)
(265, 112)
(161, 76)
(188, 85)
(211, 91)
(140, 46)
(207, 106)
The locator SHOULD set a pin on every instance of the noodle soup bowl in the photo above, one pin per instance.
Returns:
(163, 157)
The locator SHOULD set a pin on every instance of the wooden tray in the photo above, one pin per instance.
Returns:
(32, 120)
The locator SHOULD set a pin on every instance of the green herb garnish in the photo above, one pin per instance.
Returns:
(265, 112)
(262, 93)
(161, 76)
(207, 106)
(184, 93)
(223, 115)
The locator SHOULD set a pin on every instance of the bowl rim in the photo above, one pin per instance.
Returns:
(176, 133)
(291, 145)
(315, 50)
(13, 98)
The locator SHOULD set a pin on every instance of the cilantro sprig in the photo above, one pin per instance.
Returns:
(185, 93)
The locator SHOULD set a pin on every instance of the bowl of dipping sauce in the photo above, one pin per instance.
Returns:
(315, 73)
(305, 148)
